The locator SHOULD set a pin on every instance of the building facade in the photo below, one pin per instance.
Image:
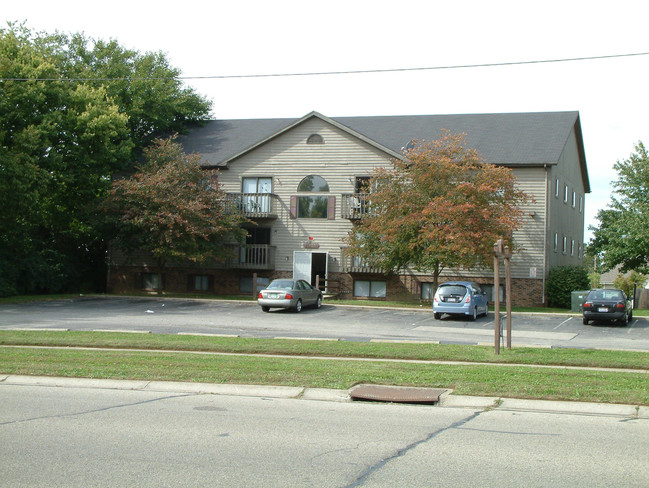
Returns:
(300, 181)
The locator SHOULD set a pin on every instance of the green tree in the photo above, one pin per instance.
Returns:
(438, 207)
(66, 126)
(628, 282)
(622, 236)
(174, 210)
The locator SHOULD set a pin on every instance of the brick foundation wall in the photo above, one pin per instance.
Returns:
(125, 279)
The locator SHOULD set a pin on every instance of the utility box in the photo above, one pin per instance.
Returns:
(577, 299)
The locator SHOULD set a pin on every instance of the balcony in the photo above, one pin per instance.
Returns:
(254, 205)
(354, 205)
(253, 256)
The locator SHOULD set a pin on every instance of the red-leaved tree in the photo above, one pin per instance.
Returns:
(173, 209)
(439, 207)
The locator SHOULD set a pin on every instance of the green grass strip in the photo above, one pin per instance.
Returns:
(501, 381)
(441, 352)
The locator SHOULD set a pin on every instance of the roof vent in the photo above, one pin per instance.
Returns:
(315, 139)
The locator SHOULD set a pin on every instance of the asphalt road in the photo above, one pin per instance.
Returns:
(96, 437)
(245, 319)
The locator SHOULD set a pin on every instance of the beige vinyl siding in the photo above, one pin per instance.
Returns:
(529, 238)
(288, 159)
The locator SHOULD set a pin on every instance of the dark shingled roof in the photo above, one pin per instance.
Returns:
(512, 139)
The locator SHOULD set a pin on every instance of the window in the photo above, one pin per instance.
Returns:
(245, 283)
(150, 281)
(556, 241)
(366, 288)
(565, 244)
(572, 247)
(565, 194)
(256, 194)
(427, 291)
(313, 183)
(314, 206)
(315, 139)
(581, 203)
(574, 199)
(201, 283)
(489, 290)
(556, 187)
(362, 184)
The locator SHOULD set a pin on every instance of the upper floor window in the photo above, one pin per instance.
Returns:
(314, 206)
(315, 139)
(574, 199)
(565, 194)
(313, 183)
(556, 187)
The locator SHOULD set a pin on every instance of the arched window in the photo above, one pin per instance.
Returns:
(313, 206)
(313, 183)
(315, 139)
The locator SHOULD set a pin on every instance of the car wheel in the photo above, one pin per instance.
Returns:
(318, 302)
(437, 315)
(474, 314)
(265, 309)
(298, 305)
(586, 321)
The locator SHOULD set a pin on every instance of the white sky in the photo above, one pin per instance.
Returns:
(226, 37)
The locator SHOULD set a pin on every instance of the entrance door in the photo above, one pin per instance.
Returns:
(307, 265)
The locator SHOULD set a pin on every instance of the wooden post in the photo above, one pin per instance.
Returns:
(497, 252)
(508, 298)
(317, 281)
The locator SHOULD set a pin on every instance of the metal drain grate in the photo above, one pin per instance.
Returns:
(396, 394)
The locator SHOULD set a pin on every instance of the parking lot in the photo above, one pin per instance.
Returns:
(334, 322)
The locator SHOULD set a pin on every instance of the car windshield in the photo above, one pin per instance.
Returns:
(452, 290)
(281, 285)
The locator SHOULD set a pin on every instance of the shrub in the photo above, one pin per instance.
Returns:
(562, 281)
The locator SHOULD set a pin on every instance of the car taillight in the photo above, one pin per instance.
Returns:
(588, 305)
(289, 296)
(619, 305)
(436, 299)
(260, 296)
(468, 299)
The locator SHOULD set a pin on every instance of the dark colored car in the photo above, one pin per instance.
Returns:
(609, 305)
(460, 298)
(293, 294)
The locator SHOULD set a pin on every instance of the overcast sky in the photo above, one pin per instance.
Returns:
(215, 38)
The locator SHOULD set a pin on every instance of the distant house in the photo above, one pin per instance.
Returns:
(301, 181)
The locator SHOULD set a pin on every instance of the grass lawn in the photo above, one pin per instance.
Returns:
(172, 357)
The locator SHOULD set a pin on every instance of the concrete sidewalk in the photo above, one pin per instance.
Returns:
(447, 400)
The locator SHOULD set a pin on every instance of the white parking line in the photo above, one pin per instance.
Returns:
(631, 324)
(567, 320)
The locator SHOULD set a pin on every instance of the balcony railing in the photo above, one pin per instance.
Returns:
(354, 205)
(354, 264)
(253, 256)
(254, 205)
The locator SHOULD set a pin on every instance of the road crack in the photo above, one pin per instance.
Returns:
(360, 481)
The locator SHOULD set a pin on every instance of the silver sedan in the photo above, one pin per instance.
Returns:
(293, 294)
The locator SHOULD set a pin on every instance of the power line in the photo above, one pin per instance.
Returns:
(349, 72)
